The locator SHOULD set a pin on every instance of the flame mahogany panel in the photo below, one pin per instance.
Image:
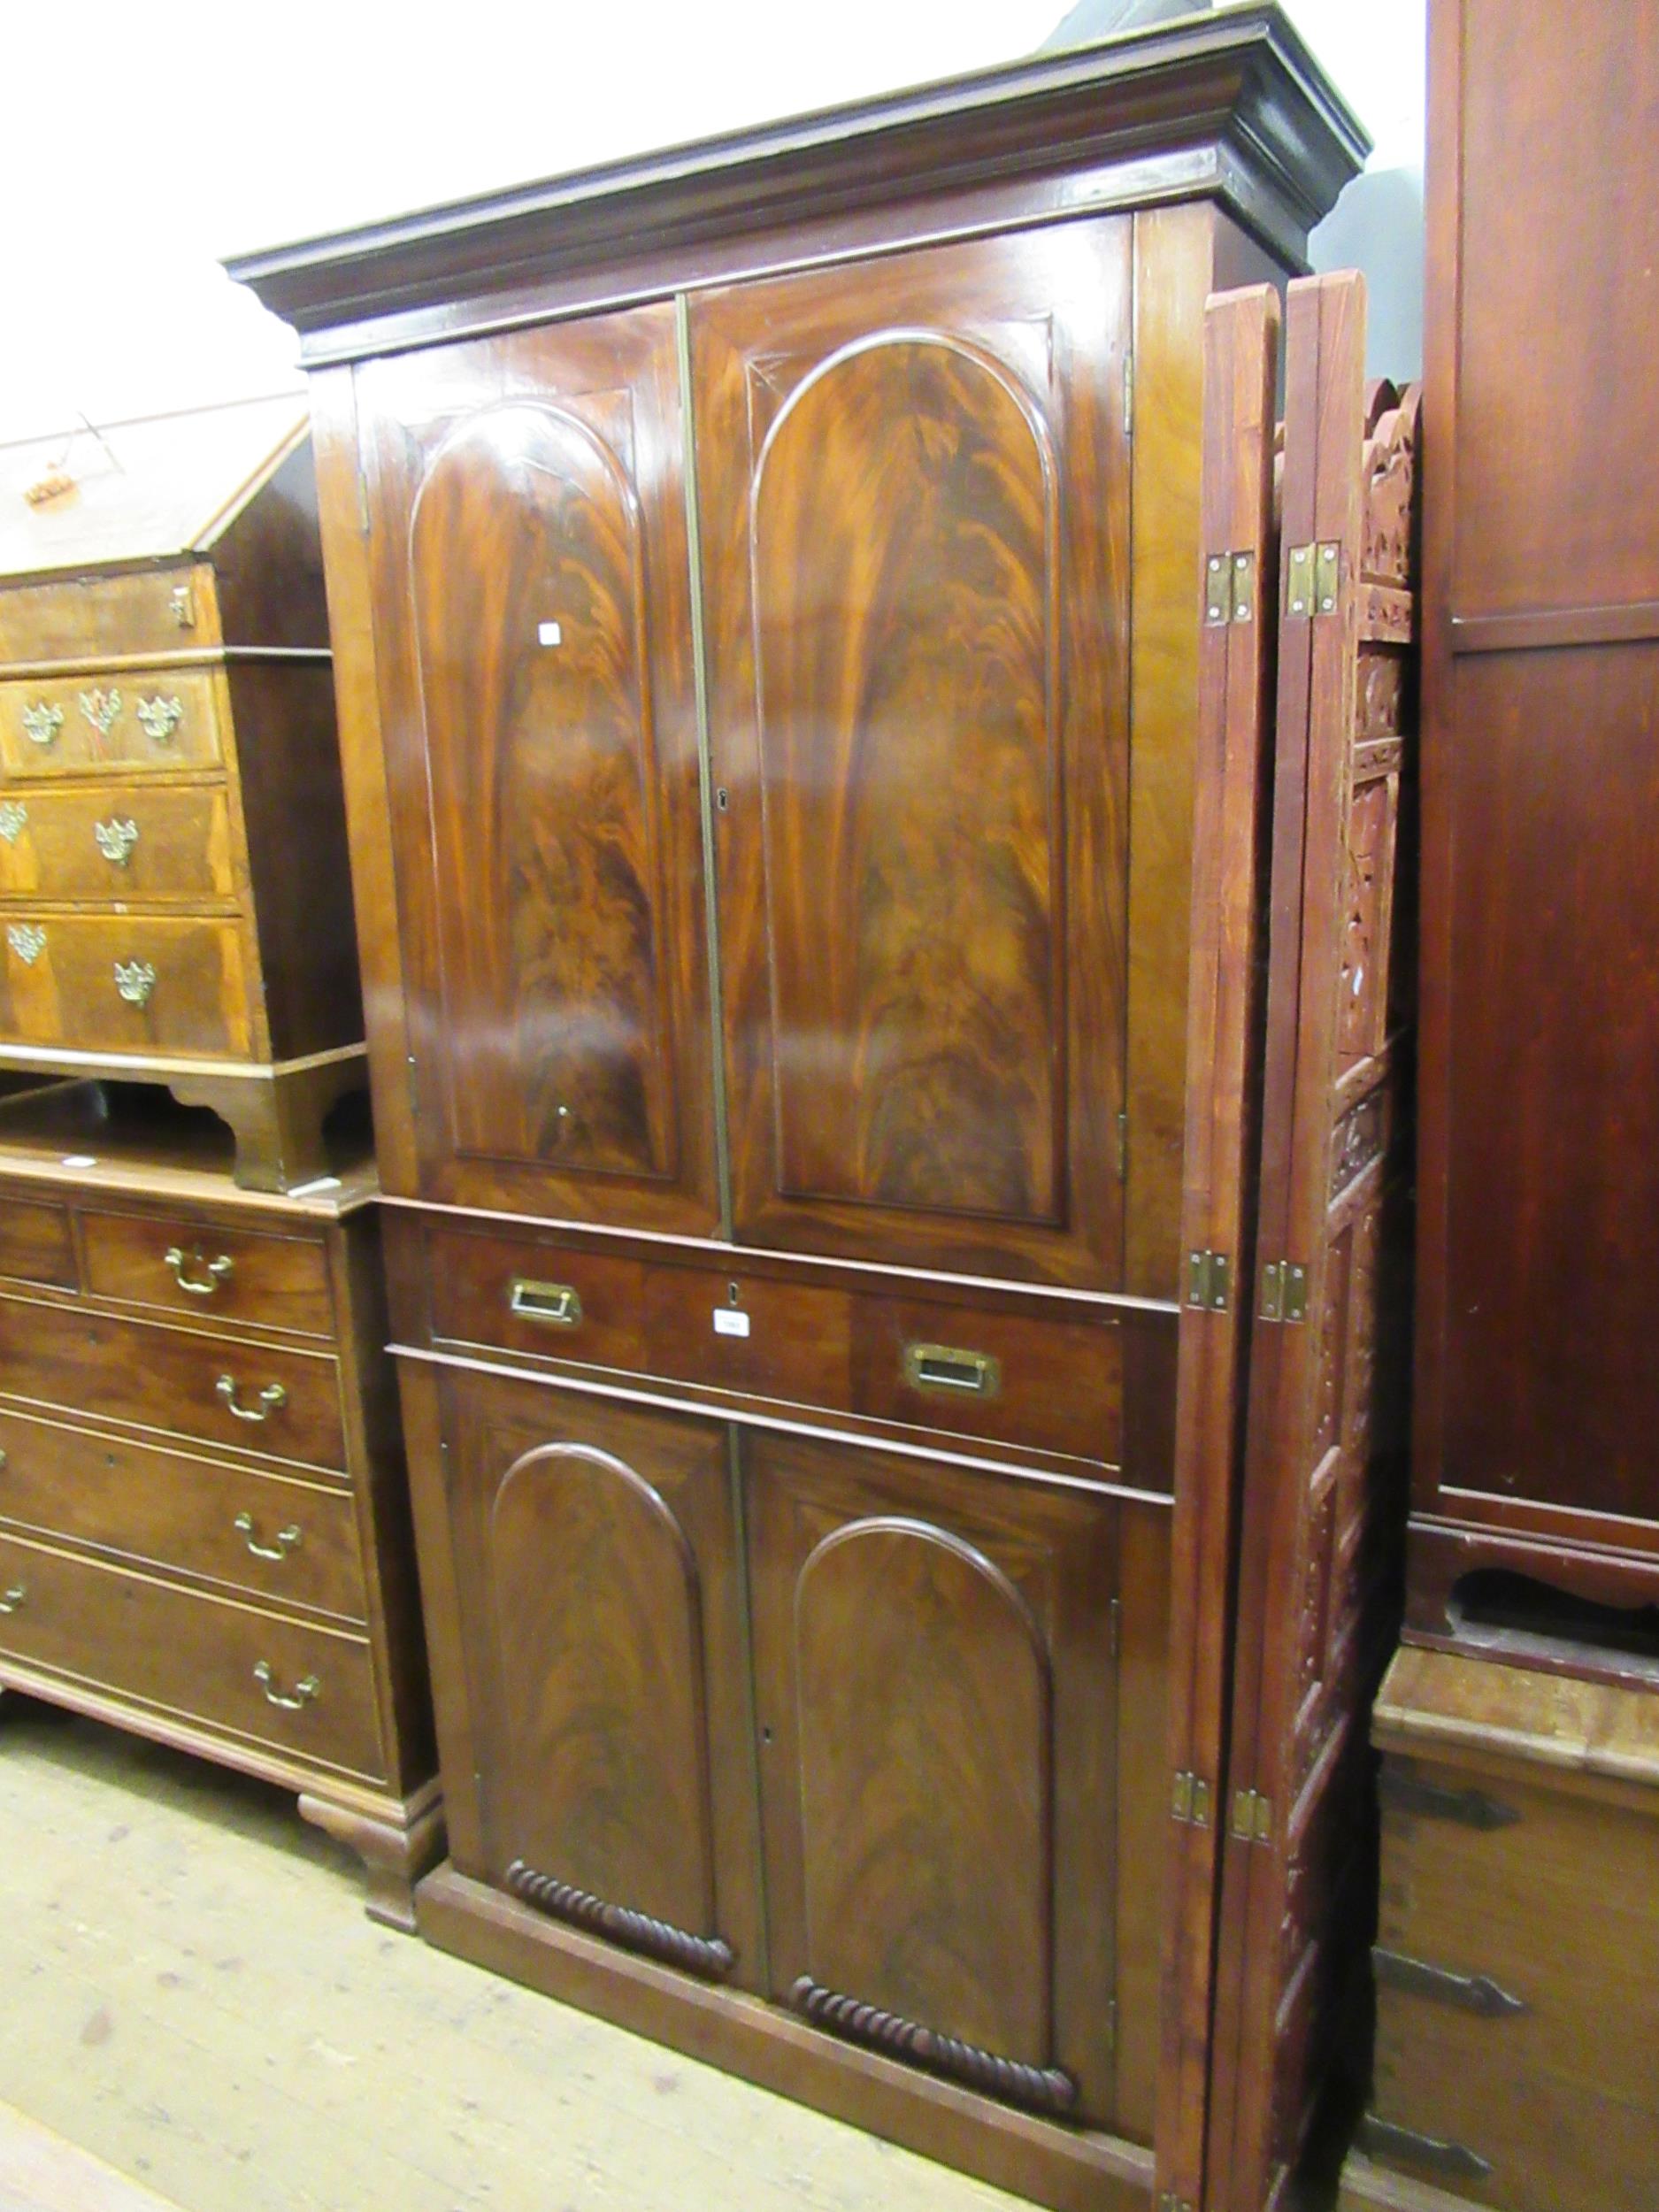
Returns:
(914, 498)
(527, 536)
(935, 1703)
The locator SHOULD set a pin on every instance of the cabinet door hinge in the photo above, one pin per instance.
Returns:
(1284, 1292)
(363, 501)
(1129, 393)
(1189, 1801)
(1230, 588)
(1114, 1617)
(1252, 1817)
(1123, 1147)
(1312, 574)
(1208, 1275)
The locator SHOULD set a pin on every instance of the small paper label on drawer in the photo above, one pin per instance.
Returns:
(548, 633)
(729, 1322)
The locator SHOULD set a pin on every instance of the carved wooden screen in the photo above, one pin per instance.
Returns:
(1223, 1081)
(1323, 1454)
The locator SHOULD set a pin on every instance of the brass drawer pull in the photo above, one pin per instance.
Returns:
(101, 708)
(1436, 2155)
(160, 717)
(115, 840)
(305, 1689)
(272, 1398)
(214, 1272)
(41, 722)
(287, 1538)
(14, 819)
(556, 1304)
(12, 1598)
(28, 939)
(944, 1367)
(1470, 1993)
(135, 981)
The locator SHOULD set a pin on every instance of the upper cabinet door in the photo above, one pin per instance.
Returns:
(531, 614)
(913, 486)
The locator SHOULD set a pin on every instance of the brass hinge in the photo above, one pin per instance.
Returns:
(1208, 1274)
(362, 502)
(1189, 1801)
(1123, 1147)
(1312, 574)
(1129, 394)
(1284, 1292)
(1114, 1617)
(1230, 588)
(1252, 1817)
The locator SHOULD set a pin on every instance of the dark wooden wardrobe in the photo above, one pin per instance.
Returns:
(765, 583)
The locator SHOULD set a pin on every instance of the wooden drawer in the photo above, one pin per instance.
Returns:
(155, 719)
(171, 1509)
(1518, 1942)
(979, 1371)
(134, 843)
(87, 617)
(192, 1655)
(170, 1380)
(35, 1244)
(148, 983)
(211, 1272)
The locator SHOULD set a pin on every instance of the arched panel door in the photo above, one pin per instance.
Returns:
(914, 496)
(528, 539)
(936, 1696)
(596, 1574)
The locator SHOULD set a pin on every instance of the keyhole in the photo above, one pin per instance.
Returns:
(733, 1294)
(723, 798)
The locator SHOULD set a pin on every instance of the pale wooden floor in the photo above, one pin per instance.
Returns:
(190, 1992)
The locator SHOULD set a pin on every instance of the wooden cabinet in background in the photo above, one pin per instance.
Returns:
(203, 1525)
(174, 892)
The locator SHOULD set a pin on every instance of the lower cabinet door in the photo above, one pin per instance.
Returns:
(935, 1701)
(598, 1574)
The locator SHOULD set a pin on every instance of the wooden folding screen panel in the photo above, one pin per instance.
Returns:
(1242, 333)
(1323, 1475)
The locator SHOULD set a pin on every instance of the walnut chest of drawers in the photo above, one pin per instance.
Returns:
(1517, 1949)
(202, 1520)
(172, 868)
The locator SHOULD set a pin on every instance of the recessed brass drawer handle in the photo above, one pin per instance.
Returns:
(135, 981)
(556, 1304)
(12, 1598)
(213, 1273)
(272, 1398)
(115, 840)
(160, 717)
(305, 1689)
(944, 1367)
(41, 722)
(287, 1538)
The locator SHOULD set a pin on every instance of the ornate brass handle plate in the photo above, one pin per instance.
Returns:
(212, 1272)
(272, 1398)
(101, 707)
(42, 721)
(14, 819)
(160, 716)
(305, 1689)
(557, 1304)
(286, 1540)
(944, 1367)
(12, 1598)
(182, 606)
(115, 840)
(28, 939)
(135, 981)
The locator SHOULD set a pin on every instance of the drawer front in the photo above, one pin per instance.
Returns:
(153, 720)
(303, 1688)
(135, 843)
(283, 1404)
(974, 1372)
(211, 1273)
(80, 617)
(35, 1244)
(142, 983)
(292, 1542)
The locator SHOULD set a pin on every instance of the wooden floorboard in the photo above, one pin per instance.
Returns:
(189, 1991)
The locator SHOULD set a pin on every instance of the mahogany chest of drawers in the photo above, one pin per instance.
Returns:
(202, 1525)
(174, 898)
